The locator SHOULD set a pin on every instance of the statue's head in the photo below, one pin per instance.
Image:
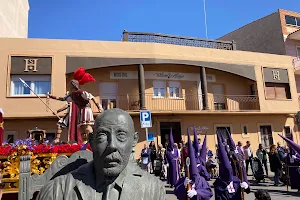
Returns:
(74, 85)
(113, 141)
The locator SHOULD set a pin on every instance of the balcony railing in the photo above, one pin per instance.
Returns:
(177, 40)
(232, 103)
(296, 63)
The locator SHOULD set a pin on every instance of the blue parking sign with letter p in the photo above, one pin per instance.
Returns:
(145, 119)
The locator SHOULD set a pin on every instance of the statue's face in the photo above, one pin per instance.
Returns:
(113, 141)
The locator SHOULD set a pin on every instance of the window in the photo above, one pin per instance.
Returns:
(295, 21)
(174, 89)
(252, 89)
(50, 136)
(298, 52)
(225, 131)
(40, 84)
(108, 95)
(244, 130)
(266, 136)
(159, 88)
(108, 103)
(277, 91)
(287, 131)
(291, 20)
(10, 138)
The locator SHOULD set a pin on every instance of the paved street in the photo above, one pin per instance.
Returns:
(275, 192)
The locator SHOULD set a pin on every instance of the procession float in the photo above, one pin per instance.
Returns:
(43, 151)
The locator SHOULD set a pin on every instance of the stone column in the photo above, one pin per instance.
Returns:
(141, 79)
(204, 88)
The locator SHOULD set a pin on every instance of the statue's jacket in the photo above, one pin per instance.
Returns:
(80, 184)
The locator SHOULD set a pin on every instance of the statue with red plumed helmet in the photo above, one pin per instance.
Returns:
(82, 99)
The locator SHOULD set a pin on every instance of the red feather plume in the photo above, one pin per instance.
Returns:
(82, 77)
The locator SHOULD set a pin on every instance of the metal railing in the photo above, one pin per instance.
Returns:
(177, 40)
(218, 103)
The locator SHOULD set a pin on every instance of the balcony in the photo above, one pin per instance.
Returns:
(217, 103)
(296, 64)
(177, 40)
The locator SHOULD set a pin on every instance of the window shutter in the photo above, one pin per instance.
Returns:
(174, 84)
(280, 92)
(270, 92)
(159, 84)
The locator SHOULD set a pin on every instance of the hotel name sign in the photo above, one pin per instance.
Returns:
(160, 76)
(275, 75)
(30, 65)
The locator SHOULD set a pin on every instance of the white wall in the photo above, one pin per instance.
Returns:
(14, 18)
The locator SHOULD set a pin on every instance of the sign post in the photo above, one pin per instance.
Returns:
(146, 122)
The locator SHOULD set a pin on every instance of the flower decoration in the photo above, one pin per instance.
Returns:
(28, 146)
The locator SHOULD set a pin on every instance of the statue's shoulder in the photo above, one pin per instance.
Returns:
(145, 176)
(55, 187)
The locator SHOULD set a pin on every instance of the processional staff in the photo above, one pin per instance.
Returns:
(187, 162)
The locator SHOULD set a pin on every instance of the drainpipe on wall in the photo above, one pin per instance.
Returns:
(141, 79)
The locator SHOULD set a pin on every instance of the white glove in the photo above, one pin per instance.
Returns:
(244, 185)
(167, 165)
(186, 181)
(191, 193)
(294, 157)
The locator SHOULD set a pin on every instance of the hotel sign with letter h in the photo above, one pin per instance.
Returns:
(276, 75)
(30, 64)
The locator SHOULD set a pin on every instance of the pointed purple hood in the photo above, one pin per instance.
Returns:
(196, 143)
(291, 144)
(225, 169)
(193, 163)
(230, 142)
(171, 142)
(203, 150)
(291, 149)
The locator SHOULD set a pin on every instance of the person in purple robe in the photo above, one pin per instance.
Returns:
(293, 161)
(196, 143)
(201, 164)
(193, 186)
(172, 161)
(227, 186)
(236, 157)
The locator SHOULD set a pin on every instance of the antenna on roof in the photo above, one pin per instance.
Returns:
(204, 5)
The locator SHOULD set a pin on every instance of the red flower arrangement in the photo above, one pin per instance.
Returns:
(43, 149)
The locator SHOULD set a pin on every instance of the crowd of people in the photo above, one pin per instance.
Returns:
(229, 165)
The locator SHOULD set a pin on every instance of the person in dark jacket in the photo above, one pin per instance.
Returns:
(275, 164)
(261, 154)
(145, 157)
(152, 154)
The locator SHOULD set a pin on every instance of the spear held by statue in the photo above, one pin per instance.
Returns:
(25, 84)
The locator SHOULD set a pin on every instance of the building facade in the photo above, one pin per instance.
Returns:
(214, 88)
(277, 33)
(14, 18)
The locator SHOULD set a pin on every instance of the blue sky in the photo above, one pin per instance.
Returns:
(105, 20)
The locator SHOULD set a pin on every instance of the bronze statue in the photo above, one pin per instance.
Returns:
(110, 175)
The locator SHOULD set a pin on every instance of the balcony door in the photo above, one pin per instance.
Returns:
(165, 132)
(266, 136)
(218, 91)
(108, 95)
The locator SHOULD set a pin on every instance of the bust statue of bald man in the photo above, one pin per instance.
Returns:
(110, 176)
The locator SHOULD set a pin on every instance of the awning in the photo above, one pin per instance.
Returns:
(295, 35)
